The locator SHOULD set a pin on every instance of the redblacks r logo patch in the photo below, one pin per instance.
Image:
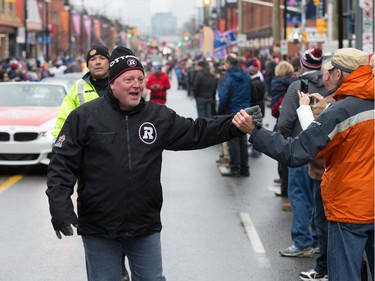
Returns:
(60, 141)
(147, 133)
(131, 62)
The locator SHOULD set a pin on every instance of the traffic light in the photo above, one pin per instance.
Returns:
(321, 26)
(135, 31)
(304, 36)
(206, 3)
(316, 2)
(129, 32)
(186, 36)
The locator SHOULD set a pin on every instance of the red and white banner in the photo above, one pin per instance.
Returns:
(76, 20)
(88, 25)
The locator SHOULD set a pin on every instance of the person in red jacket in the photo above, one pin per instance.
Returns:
(158, 83)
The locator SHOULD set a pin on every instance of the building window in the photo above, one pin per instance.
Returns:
(11, 8)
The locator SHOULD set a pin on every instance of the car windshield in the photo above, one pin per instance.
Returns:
(68, 82)
(31, 95)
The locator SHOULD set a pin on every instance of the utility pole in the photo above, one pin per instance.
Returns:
(240, 16)
(68, 8)
(25, 25)
(285, 24)
(330, 21)
(276, 21)
(303, 24)
(285, 18)
(226, 14)
(340, 24)
(46, 3)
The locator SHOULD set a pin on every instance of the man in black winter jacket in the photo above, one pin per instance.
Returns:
(204, 88)
(113, 146)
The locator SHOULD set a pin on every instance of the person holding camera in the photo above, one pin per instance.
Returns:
(300, 186)
(343, 134)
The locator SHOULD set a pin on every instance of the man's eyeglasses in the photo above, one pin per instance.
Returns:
(330, 71)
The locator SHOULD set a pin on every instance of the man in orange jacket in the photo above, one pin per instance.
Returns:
(344, 136)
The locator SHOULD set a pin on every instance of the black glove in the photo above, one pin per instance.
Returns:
(67, 230)
(256, 113)
(251, 110)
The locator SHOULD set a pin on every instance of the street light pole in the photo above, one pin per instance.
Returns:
(47, 29)
(276, 21)
(285, 23)
(68, 8)
(303, 23)
(25, 25)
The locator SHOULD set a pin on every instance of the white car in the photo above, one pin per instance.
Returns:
(28, 113)
(67, 79)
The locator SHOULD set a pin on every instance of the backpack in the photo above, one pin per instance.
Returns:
(275, 109)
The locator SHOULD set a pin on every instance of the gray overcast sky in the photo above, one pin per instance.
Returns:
(139, 12)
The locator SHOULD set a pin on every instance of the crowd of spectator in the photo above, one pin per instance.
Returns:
(32, 69)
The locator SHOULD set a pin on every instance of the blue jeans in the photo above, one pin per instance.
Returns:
(347, 244)
(301, 197)
(204, 107)
(321, 225)
(104, 258)
(239, 154)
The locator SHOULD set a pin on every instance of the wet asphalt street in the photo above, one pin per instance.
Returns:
(214, 228)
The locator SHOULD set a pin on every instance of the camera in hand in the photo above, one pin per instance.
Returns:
(313, 100)
(304, 85)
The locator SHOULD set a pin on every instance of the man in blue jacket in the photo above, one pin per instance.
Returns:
(234, 94)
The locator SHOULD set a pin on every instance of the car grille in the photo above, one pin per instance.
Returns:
(4, 136)
(21, 136)
(18, 157)
(25, 136)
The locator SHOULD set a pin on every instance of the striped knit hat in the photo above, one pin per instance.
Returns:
(312, 59)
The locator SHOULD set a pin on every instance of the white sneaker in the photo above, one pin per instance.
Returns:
(313, 275)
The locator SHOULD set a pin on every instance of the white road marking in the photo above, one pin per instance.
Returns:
(255, 240)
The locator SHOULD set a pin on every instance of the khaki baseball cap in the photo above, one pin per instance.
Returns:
(347, 59)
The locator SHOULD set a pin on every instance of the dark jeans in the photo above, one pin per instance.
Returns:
(347, 243)
(283, 173)
(301, 197)
(204, 107)
(321, 225)
(239, 154)
(104, 258)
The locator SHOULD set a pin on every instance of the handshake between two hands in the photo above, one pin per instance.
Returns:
(256, 115)
(248, 118)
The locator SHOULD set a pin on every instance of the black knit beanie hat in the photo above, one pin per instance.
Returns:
(122, 59)
(97, 50)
